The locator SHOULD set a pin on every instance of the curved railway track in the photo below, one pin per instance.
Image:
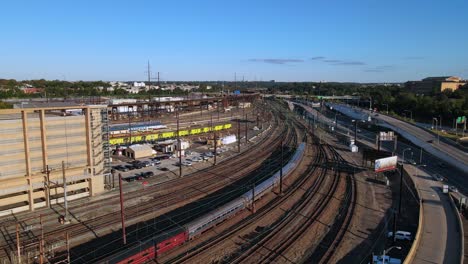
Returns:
(205, 180)
(148, 229)
(271, 246)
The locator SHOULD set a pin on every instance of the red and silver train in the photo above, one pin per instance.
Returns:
(151, 248)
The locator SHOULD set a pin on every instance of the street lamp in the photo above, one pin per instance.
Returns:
(387, 107)
(436, 120)
(401, 184)
(355, 130)
(411, 114)
(404, 153)
(388, 250)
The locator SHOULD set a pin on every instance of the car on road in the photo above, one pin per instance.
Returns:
(442, 165)
(411, 161)
(430, 141)
(438, 177)
(401, 235)
(453, 188)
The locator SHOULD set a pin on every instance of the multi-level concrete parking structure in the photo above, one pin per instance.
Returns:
(39, 147)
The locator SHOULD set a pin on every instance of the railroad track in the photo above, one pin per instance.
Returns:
(261, 244)
(331, 242)
(283, 233)
(184, 215)
(102, 221)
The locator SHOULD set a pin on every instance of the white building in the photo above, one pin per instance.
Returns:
(139, 84)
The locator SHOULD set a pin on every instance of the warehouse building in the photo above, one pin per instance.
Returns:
(41, 146)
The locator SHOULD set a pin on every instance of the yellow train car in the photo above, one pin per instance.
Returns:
(167, 135)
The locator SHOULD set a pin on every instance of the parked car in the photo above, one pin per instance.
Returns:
(401, 235)
(196, 159)
(121, 168)
(129, 167)
(146, 163)
(138, 165)
(130, 179)
(147, 174)
(208, 154)
(184, 163)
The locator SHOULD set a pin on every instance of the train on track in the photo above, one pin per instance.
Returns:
(151, 248)
(125, 129)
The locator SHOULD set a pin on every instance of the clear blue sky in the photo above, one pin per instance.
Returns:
(310, 40)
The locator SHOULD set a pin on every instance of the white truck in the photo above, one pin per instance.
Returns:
(445, 188)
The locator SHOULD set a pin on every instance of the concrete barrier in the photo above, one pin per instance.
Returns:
(460, 228)
(417, 238)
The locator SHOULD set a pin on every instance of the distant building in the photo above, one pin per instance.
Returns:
(435, 84)
(139, 84)
(31, 90)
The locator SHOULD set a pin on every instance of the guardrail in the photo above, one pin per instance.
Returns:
(460, 229)
(417, 238)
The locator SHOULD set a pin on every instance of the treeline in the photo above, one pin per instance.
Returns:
(448, 104)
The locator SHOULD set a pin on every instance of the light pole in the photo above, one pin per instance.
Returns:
(411, 114)
(440, 122)
(387, 107)
(401, 184)
(388, 250)
(404, 153)
(437, 131)
(355, 130)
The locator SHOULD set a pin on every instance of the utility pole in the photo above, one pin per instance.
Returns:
(149, 75)
(65, 192)
(122, 212)
(401, 186)
(246, 140)
(179, 145)
(47, 183)
(238, 135)
(41, 243)
(215, 148)
(67, 238)
(18, 245)
(420, 155)
(129, 128)
(235, 80)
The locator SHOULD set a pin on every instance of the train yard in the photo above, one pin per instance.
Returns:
(289, 196)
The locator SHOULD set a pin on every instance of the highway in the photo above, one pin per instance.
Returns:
(440, 241)
(416, 135)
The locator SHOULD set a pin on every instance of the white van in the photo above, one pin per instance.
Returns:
(401, 235)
